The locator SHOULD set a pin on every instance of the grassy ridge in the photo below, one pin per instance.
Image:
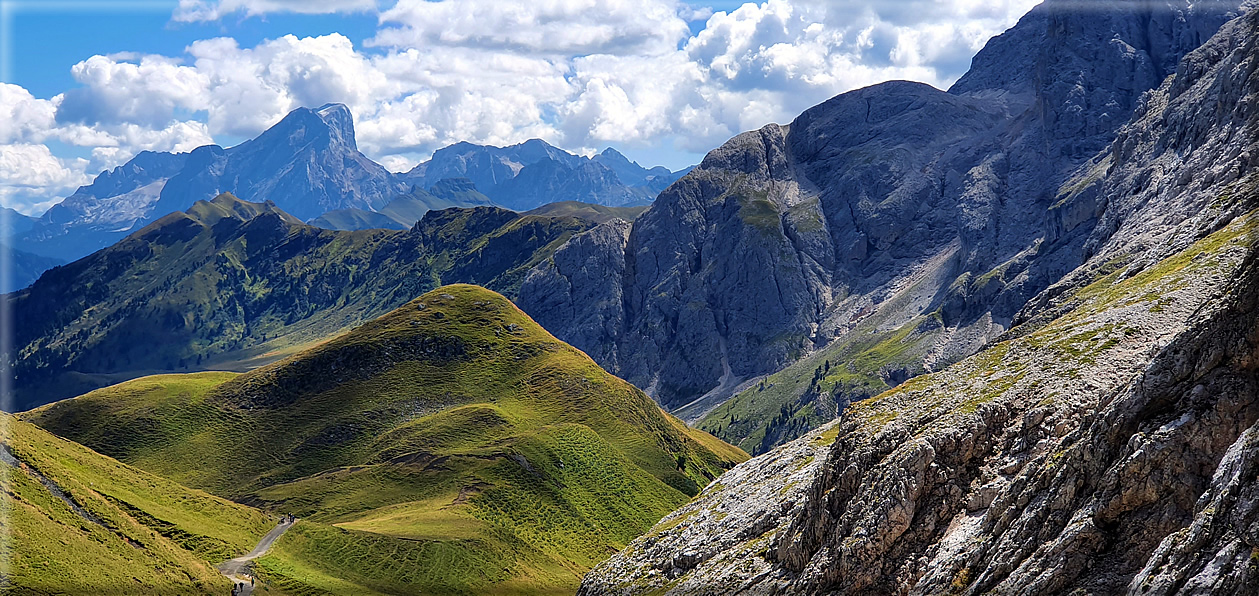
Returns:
(122, 531)
(590, 211)
(230, 285)
(451, 429)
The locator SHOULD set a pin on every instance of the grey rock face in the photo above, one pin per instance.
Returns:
(581, 289)
(550, 181)
(1107, 445)
(787, 238)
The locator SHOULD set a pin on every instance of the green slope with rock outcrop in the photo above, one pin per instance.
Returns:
(231, 285)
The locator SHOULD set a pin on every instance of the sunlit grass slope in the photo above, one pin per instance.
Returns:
(451, 445)
(80, 523)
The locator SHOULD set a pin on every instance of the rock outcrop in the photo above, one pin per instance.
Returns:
(1105, 444)
(891, 211)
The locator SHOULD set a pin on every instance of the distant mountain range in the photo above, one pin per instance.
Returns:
(406, 209)
(309, 166)
(533, 173)
(23, 268)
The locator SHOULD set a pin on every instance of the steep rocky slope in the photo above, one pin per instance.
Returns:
(231, 284)
(885, 233)
(455, 444)
(1105, 444)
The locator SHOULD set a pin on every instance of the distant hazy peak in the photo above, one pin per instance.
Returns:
(452, 185)
(330, 125)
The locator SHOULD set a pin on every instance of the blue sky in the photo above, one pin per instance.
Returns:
(90, 83)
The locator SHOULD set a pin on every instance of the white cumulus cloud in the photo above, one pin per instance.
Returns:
(582, 74)
(32, 179)
(213, 10)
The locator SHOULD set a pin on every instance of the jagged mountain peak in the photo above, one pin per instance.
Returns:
(328, 127)
(613, 154)
(534, 172)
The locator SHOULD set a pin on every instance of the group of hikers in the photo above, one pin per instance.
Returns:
(239, 588)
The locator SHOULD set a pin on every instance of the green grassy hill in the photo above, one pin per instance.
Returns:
(230, 285)
(449, 446)
(79, 523)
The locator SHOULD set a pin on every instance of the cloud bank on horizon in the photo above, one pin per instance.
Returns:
(581, 74)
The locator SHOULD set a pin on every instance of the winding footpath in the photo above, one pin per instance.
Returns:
(235, 568)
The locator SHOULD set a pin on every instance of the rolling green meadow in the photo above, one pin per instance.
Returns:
(449, 446)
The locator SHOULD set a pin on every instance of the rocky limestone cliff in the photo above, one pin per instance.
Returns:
(888, 212)
(1107, 444)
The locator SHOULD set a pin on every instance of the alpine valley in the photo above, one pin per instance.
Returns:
(996, 339)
